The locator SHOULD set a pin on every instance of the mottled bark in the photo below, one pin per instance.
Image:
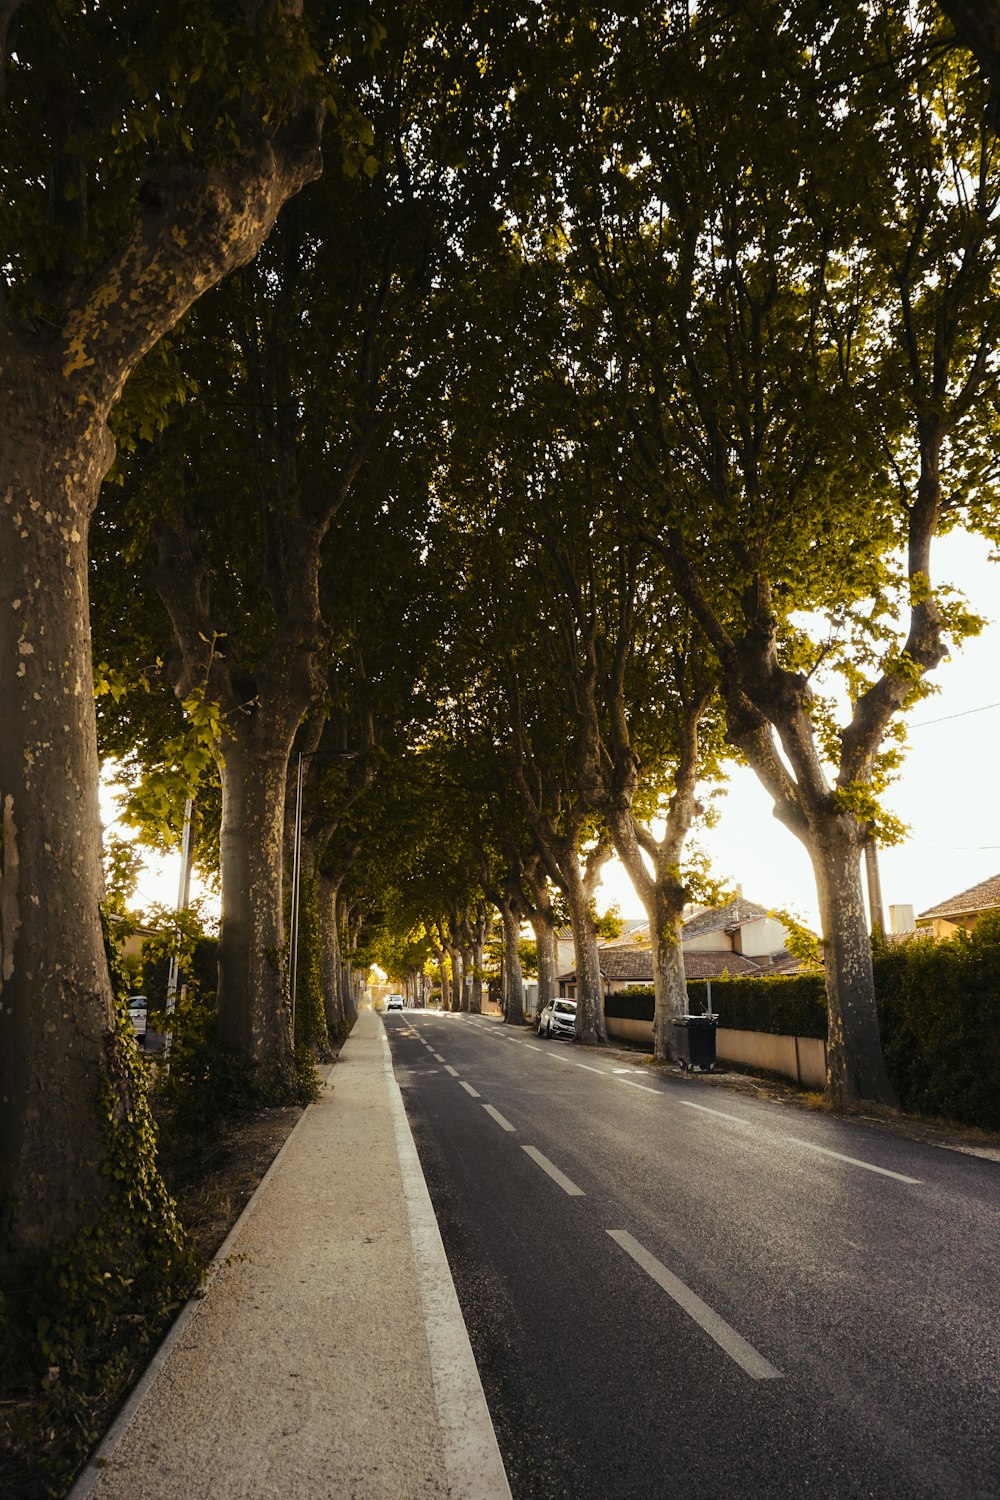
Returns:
(254, 1019)
(333, 1003)
(513, 977)
(476, 993)
(468, 964)
(590, 1023)
(455, 960)
(856, 1066)
(56, 1006)
(60, 380)
(545, 939)
(663, 897)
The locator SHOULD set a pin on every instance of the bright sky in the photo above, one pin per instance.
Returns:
(947, 792)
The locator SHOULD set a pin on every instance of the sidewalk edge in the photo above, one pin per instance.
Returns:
(472, 1456)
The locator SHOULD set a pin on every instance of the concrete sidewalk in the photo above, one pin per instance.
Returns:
(328, 1356)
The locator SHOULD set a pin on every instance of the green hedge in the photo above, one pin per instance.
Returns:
(939, 1009)
(633, 1004)
(939, 1014)
(789, 1006)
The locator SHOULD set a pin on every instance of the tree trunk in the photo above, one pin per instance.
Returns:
(468, 968)
(62, 374)
(57, 1012)
(855, 1064)
(476, 997)
(663, 898)
(545, 939)
(254, 1021)
(350, 997)
(457, 978)
(333, 1003)
(669, 980)
(590, 1026)
(513, 978)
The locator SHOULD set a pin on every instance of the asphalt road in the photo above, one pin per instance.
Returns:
(673, 1290)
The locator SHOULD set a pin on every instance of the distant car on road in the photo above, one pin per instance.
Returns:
(137, 1014)
(557, 1019)
(394, 1002)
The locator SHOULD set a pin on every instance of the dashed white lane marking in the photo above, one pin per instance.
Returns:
(496, 1115)
(554, 1172)
(852, 1160)
(470, 1090)
(449, 1069)
(707, 1110)
(437, 1055)
(734, 1344)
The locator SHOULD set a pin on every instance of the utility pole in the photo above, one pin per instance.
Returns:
(876, 918)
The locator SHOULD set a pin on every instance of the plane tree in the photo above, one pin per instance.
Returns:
(301, 366)
(145, 154)
(805, 317)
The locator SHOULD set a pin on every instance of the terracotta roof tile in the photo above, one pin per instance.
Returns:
(982, 897)
(636, 965)
(714, 965)
(717, 918)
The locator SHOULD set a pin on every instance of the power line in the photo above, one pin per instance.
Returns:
(926, 723)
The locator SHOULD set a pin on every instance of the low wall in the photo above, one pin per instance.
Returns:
(801, 1058)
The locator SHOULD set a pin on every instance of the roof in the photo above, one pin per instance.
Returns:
(636, 965)
(629, 926)
(635, 930)
(982, 897)
(714, 965)
(623, 962)
(718, 918)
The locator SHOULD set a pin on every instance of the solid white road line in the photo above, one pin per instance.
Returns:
(745, 1355)
(720, 1112)
(554, 1172)
(496, 1115)
(471, 1455)
(470, 1090)
(852, 1161)
(449, 1069)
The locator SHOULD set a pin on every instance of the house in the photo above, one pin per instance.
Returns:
(737, 938)
(960, 913)
(740, 926)
(623, 965)
(634, 929)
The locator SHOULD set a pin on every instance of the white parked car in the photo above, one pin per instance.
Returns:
(137, 1014)
(557, 1019)
(394, 1002)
